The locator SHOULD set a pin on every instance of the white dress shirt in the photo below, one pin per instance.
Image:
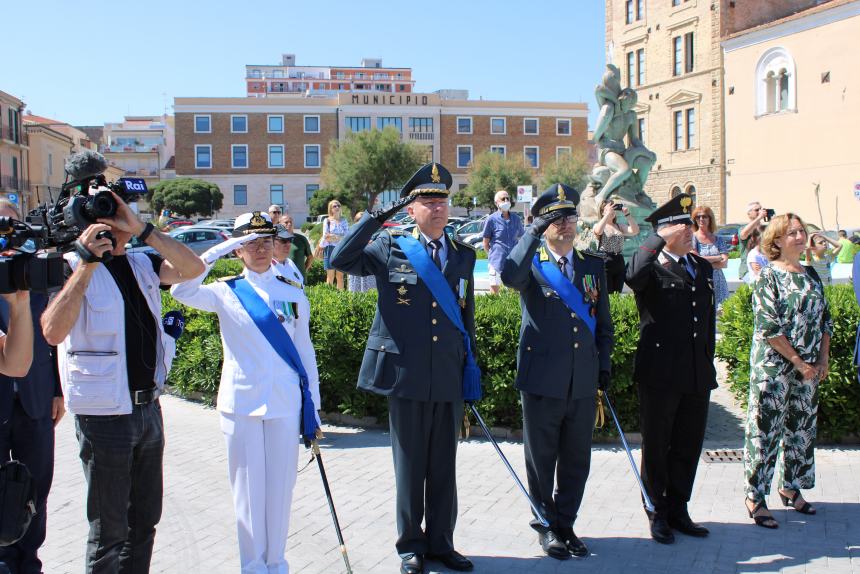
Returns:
(255, 380)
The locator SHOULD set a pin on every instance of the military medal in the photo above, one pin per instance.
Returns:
(402, 292)
(462, 293)
(589, 285)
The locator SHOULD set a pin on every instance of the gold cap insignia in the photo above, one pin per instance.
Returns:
(685, 203)
(561, 196)
(257, 220)
(403, 291)
(434, 174)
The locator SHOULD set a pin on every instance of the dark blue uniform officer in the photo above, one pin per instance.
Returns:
(415, 356)
(674, 365)
(564, 352)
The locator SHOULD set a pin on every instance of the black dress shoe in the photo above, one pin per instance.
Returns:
(412, 564)
(553, 547)
(660, 530)
(453, 560)
(574, 545)
(683, 523)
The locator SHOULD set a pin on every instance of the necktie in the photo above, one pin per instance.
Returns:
(562, 264)
(436, 246)
(688, 265)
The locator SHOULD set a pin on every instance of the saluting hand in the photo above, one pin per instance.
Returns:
(670, 231)
(542, 222)
(382, 215)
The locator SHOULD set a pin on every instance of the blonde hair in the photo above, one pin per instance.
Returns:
(331, 208)
(776, 229)
(704, 210)
(6, 204)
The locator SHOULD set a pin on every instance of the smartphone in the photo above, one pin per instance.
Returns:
(618, 207)
(770, 213)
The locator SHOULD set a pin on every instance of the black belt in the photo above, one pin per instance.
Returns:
(145, 397)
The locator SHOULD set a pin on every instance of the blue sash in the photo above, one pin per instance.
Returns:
(568, 292)
(441, 291)
(281, 342)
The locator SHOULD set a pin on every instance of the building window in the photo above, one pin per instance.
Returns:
(277, 73)
(775, 82)
(276, 194)
(691, 128)
(631, 69)
(640, 66)
(203, 156)
(240, 195)
(562, 127)
(312, 124)
(676, 2)
(276, 124)
(677, 56)
(676, 191)
(642, 130)
(628, 11)
(50, 164)
(688, 52)
(421, 124)
(640, 9)
(310, 190)
(255, 74)
(312, 155)
(14, 126)
(357, 123)
(464, 125)
(532, 156)
(530, 126)
(464, 155)
(202, 124)
(691, 191)
(382, 123)
(499, 149)
(498, 126)
(239, 156)
(239, 124)
(276, 155)
(562, 150)
(679, 130)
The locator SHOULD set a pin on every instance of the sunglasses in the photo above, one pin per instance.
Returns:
(562, 220)
(275, 211)
(703, 217)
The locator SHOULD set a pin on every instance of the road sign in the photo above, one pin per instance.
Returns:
(13, 197)
(856, 190)
(524, 193)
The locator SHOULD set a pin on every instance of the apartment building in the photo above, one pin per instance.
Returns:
(14, 149)
(261, 151)
(140, 145)
(287, 78)
(670, 52)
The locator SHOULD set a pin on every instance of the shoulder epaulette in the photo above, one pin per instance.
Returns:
(395, 231)
(289, 282)
(229, 278)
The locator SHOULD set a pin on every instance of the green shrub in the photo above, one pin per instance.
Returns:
(481, 254)
(839, 393)
(316, 274)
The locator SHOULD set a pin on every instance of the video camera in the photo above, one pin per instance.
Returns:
(26, 269)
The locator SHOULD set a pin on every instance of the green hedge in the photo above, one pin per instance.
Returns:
(839, 393)
(340, 322)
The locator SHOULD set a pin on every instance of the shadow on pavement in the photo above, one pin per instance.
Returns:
(355, 437)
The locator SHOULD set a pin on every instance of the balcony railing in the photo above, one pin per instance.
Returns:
(9, 183)
(119, 148)
(18, 136)
(421, 136)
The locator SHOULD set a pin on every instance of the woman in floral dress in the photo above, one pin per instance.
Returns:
(789, 357)
(713, 248)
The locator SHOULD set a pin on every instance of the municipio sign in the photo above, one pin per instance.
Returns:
(524, 193)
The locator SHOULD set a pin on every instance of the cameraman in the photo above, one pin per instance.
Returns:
(31, 405)
(113, 359)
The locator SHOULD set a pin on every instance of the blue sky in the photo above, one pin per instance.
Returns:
(104, 59)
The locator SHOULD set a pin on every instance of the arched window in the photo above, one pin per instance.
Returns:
(691, 191)
(775, 82)
(676, 191)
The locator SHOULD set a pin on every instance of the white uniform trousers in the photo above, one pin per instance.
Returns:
(262, 458)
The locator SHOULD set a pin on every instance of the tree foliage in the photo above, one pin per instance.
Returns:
(491, 172)
(186, 196)
(318, 204)
(368, 163)
(569, 169)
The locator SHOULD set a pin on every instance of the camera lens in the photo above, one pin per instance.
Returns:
(100, 205)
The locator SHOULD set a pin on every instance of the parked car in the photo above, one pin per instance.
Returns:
(226, 224)
(198, 238)
(177, 223)
(399, 218)
(471, 228)
(449, 230)
(730, 232)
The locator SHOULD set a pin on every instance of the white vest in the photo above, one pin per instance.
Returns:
(92, 359)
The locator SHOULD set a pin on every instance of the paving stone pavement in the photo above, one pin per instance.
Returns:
(197, 532)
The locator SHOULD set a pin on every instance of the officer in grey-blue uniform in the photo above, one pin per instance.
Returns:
(415, 356)
(560, 365)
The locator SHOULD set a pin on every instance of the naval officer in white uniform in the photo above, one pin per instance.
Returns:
(259, 398)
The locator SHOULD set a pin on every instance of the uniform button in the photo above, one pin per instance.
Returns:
(694, 303)
(694, 335)
(658, 345)
(434, 303)
(381, 347)
(435, 338)
(434, 321)
(573, 315)
(576, 345)
(528, 348)
(403, 279)
(576, 329)
(695, 318)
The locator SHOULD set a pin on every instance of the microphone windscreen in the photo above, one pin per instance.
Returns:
(174, 323)
(85, 164)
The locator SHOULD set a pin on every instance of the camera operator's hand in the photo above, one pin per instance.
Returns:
(96, 246)
(17, 299)
(124, 219)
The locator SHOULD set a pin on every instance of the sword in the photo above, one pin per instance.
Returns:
(315, 448)
(535, 510)
(648, 505)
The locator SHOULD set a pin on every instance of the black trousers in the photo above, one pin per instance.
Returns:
(673, 429)
(615, 271)
(30, 441)
(424, 439)
(557, 439)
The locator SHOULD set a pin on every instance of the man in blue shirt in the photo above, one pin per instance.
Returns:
(502, 230)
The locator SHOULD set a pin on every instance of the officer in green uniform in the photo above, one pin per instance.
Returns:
(564, 355)
(415, 356)
(674, 365)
